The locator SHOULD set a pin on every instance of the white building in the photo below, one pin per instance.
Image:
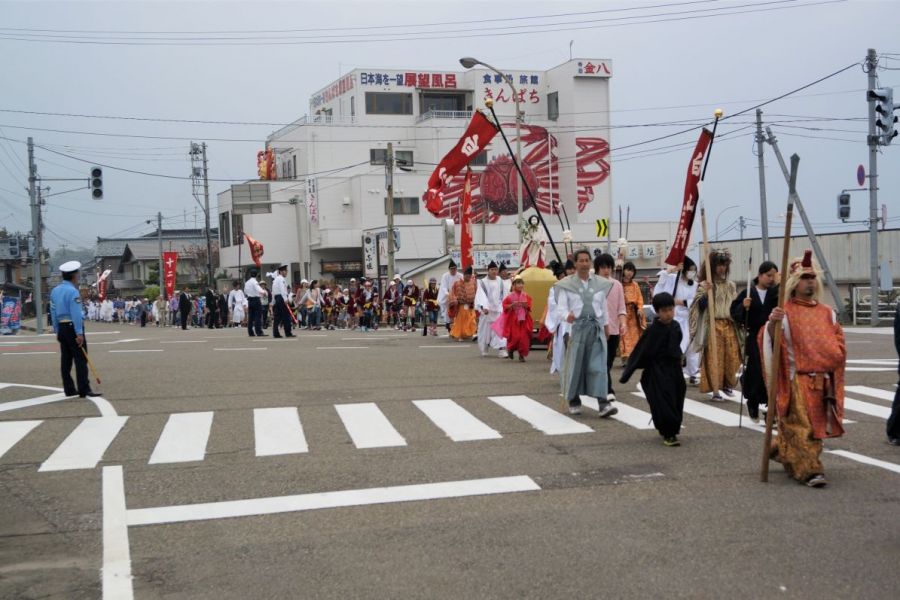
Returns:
(330, 196)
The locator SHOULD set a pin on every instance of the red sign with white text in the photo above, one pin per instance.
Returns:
(170, 265)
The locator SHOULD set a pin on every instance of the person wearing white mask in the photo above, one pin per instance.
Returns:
(680, 282)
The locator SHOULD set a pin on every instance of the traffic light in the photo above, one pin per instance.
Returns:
(843, 206)
(96, 183)
(884, 114)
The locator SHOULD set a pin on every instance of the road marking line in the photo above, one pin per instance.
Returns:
(873, 361)
(236, 349)
(24, 353)
(116, 552)
(183, 439)
(442, 346)
(367, 426)
(132, 351)
(459, 424)
(867, 408)
(539, 416)
(341, 347)
(85, 446)
(373, 337)
(345, 498)
(11, 432)
(13, 405)
(125, 341)
(278, 431)
(184, 342)
(866, 460)
(713, 414)
(870, 391)
(871, 369)
(629, 415)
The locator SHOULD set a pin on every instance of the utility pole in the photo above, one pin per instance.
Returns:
(37, 294)
(871, 65)
(763, 209)
(820, 256)
(160, 279)
(209, 273)
(389, 185)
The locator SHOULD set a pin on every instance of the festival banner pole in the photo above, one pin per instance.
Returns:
(712, 365)
(772, 381)
(747, 332)
(490, 104)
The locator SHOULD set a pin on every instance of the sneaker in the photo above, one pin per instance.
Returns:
(693, 381)
(894, 441)
(717, 397)
(521, 358)
(504, 354)
(611, 397)
(671, 442)
(574, 409)
(607, 411)
(817, 481)
(728, 391)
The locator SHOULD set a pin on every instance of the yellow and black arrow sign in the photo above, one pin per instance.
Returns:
(602, 228)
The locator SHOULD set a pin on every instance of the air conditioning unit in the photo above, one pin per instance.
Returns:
(346, 201)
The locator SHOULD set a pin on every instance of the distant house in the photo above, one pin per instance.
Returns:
(133, 259)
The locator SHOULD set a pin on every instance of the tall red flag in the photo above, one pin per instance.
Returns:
(170, 266)
(256, 250)
(691, 195)
(476, 138)
(465, 243)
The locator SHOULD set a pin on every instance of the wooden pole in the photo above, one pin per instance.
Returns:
(712, 376)
(776, 334)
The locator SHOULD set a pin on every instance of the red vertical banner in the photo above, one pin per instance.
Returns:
(691, 195)
(465, 243)
(170, 264)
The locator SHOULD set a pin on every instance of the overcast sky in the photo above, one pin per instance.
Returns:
(664, 71)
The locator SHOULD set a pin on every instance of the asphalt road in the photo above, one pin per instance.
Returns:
(364, 501)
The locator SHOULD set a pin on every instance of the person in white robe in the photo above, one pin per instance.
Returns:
(237, 304)
(489, 294)
(681, 284)
(447, 280)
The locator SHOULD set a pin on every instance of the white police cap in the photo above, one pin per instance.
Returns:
(70, 267)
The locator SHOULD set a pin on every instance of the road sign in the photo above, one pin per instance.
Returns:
(860, 175)
(602, 228)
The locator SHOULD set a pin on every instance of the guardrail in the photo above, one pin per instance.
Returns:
(861, 301)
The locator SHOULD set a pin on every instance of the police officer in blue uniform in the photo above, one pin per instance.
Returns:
(68, 324)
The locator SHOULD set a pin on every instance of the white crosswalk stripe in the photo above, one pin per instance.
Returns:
(368, 427)
(86, 445)
(540, 416)
(183, 438)
(13, 431)
(869, 391)
(459, 424)
(278, 431)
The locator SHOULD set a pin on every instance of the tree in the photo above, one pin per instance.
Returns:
(196, 255)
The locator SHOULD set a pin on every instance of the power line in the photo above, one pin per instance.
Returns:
(429, 36)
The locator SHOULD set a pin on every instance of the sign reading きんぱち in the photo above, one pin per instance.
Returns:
(602, 228)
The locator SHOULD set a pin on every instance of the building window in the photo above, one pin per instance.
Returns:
(388, 103)
(352, 106)
(553, 106)
(225, 229)
(406, 205)
(378, 156)
(237, 229)
(250, 198)
(294, 158)
(481, 159)
(445, 101)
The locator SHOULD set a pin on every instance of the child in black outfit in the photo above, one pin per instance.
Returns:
(658, 353)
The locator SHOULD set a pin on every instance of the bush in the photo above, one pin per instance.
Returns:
(151, 292)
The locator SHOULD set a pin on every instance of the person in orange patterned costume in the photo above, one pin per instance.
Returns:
(810, 397)
(634, 312)
(462, 311)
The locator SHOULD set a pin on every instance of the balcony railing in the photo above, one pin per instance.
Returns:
(313, 120)
(444, 114)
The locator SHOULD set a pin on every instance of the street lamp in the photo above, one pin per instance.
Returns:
(720, 214)
(468, 62)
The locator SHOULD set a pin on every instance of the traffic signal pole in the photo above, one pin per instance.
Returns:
(870, 67)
